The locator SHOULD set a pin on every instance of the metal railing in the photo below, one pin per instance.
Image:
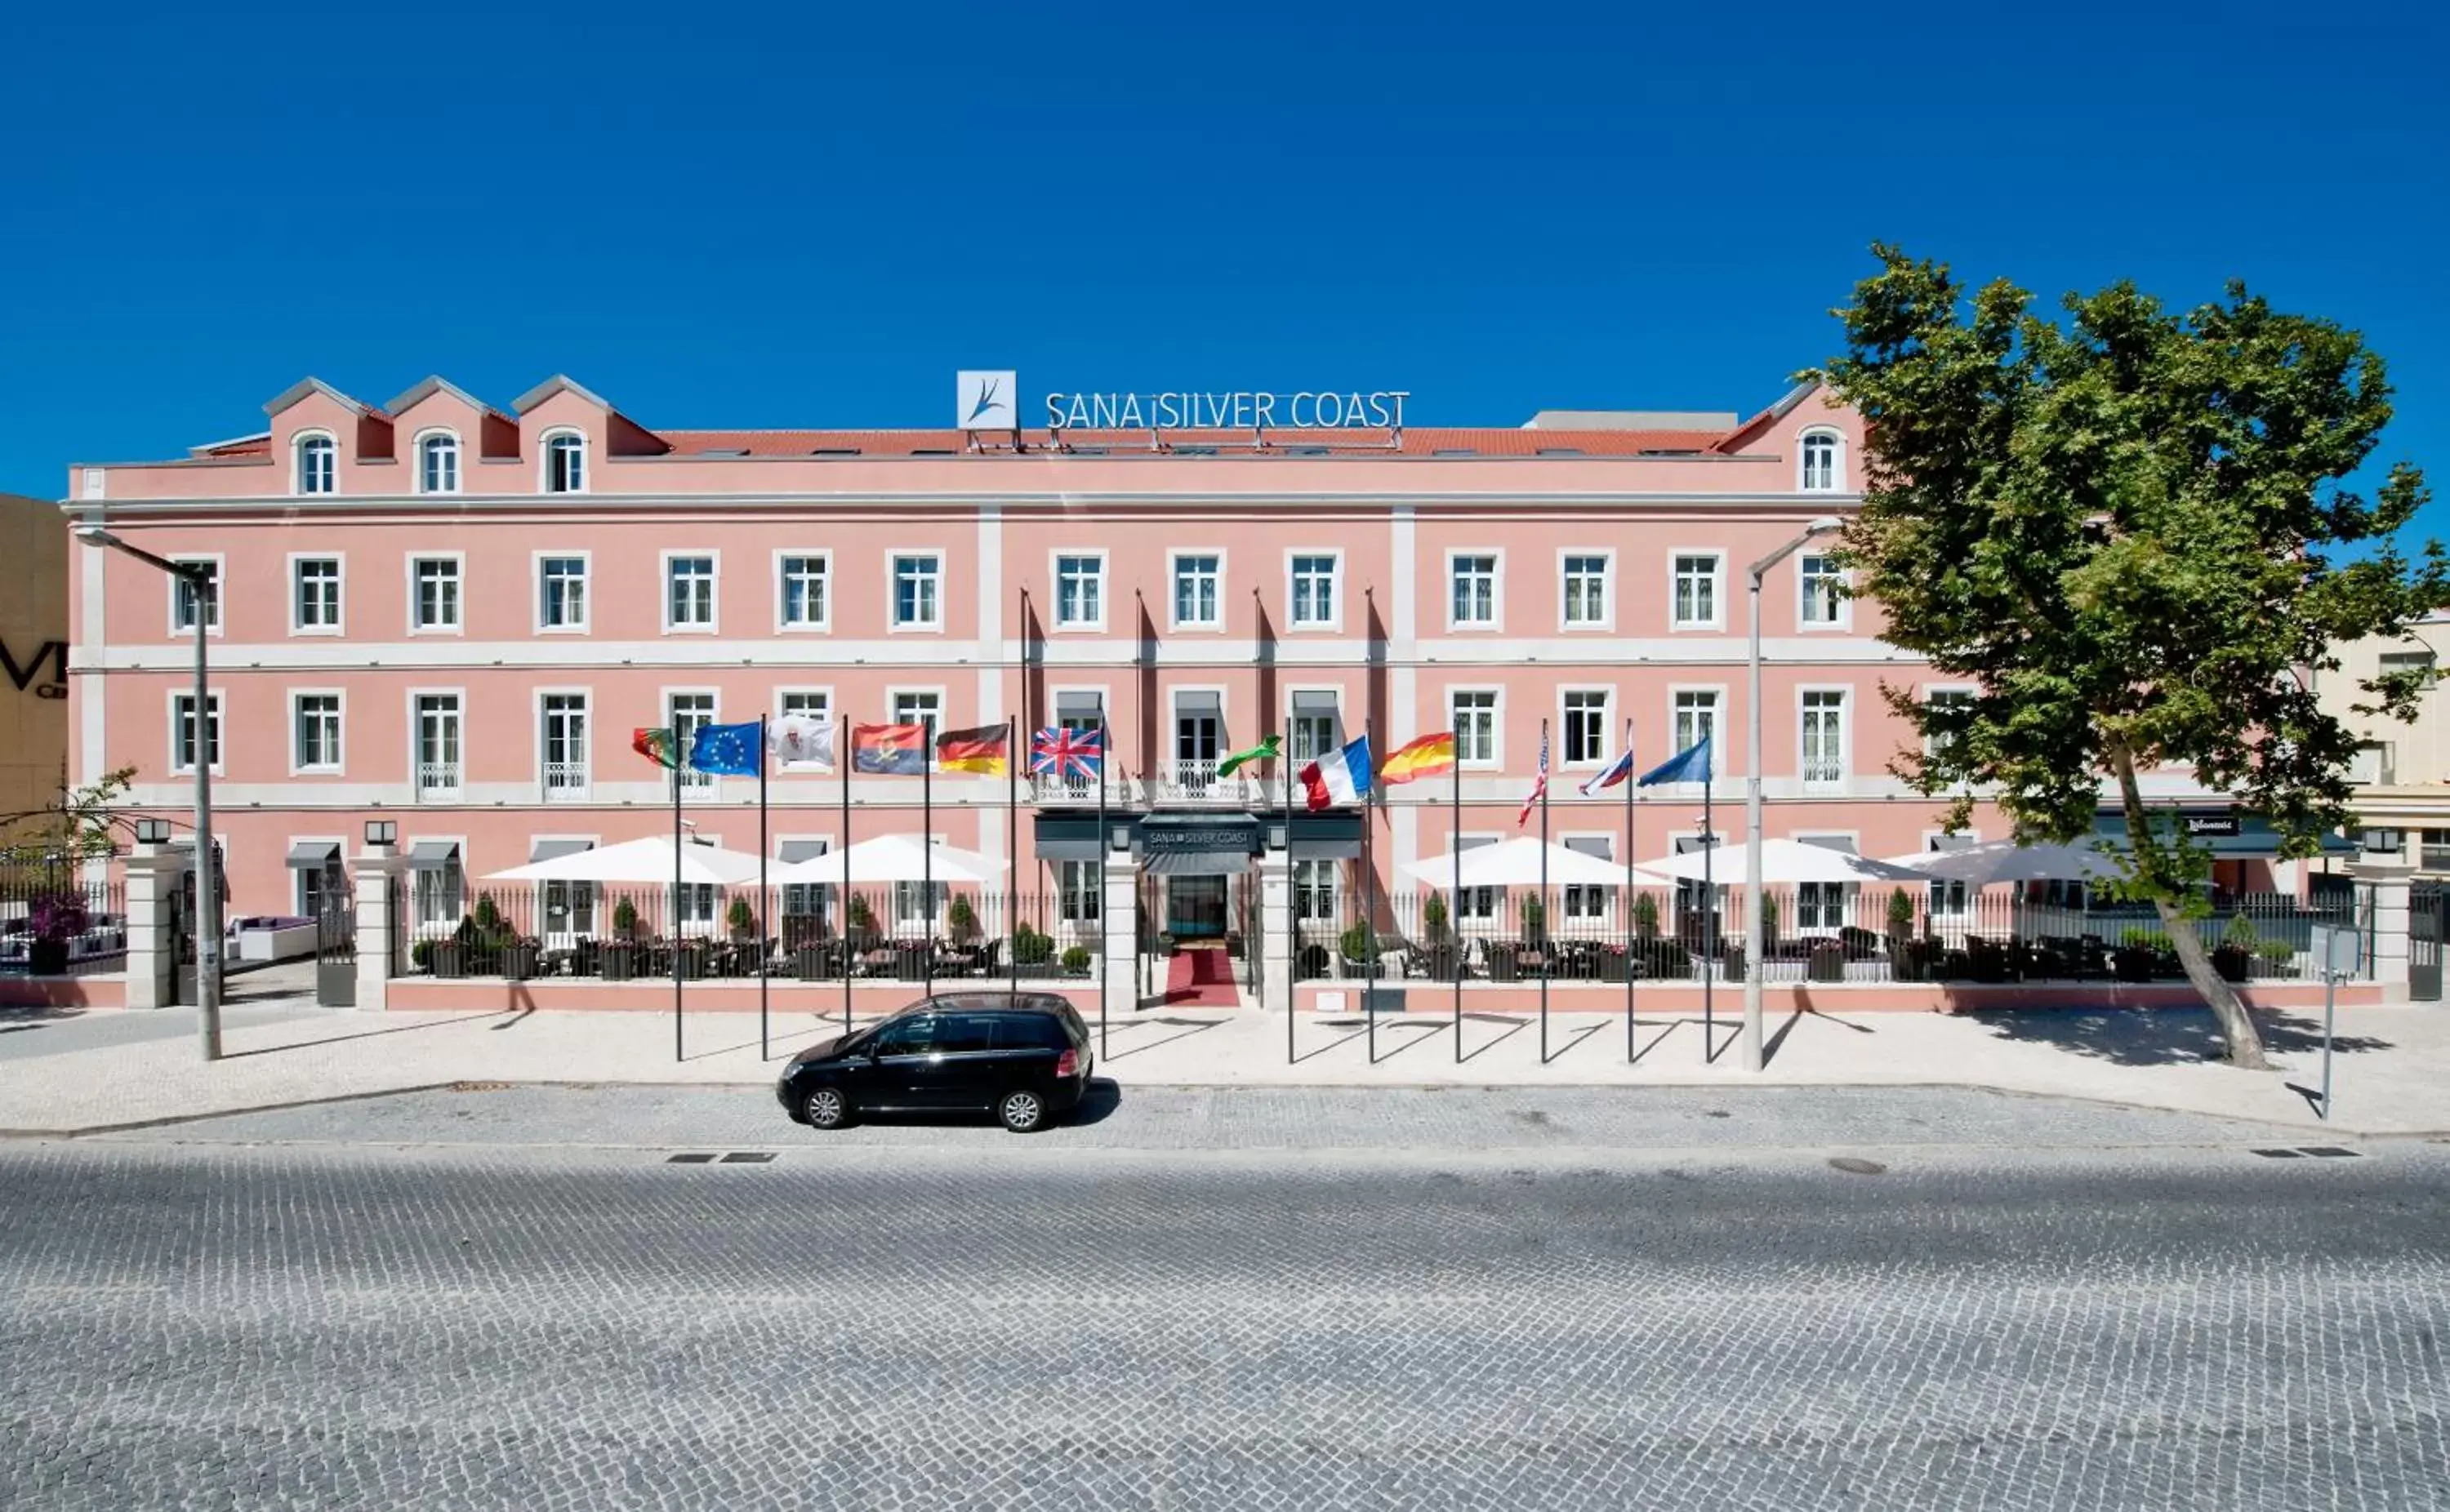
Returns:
(438, 779)
(1195, 782)
(565, 782)
(55, 925)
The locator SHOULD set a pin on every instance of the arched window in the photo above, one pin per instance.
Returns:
(565, 463)
(1823, 470)
(317, 459)
(437, 463)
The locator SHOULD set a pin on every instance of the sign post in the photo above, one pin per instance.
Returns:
(2335, 951)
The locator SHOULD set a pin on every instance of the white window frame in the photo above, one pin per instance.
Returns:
(586, 561)
(1929, 690)
(214, 609)
(416, 449)
(691, 779)
(1482, 904)
(459, 561)
(1718, 620)
(824, 558)
(1078, 884)
(894, 624)
(1495, 555)
(1608, 728)
(893, 697)
(298, 445)
(1959, 895)
(414, 738)
(712, 624)
(212, 719)
(1332, 891)
(1174, 560)
(339, 762)
(1496, 760)
(841, 736)
(1606, 622)
(1842, 616)
(1333, 624)
(1837, 439)
(543, 760)
(298, 875)
(1599, 897)
(1720, 763)
(1845, 737)
(1849, 894)
(340, 593)
(1336, 734)
(1055, 560)
(545, 455)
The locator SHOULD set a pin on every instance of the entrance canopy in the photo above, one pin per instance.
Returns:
(1197, 845)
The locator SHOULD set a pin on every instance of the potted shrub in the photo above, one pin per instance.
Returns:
(2135, 957)
(1309, 962)
(2233, 958)
(1535, 921)
(741, 920)
(620, 961)
(1827, 962)
(1645, 916)
(1075, 961)
(1032, 949)
(1901, 912)
(1440, 948)
(56, 919)
(961, 920)
(420, 956)
(863, 922)
(2278, 956)
(454, 956)
(1358, 948)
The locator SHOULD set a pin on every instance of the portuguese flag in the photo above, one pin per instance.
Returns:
(1264, 751)
(659, 744)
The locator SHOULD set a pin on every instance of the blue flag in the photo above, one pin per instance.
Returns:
(730, 750)
(1691, 764)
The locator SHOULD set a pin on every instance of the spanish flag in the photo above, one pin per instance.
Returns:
(978, 750)
(1429, 756)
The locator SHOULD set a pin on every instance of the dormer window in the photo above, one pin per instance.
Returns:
(437, 463)
(1823, 470)
(317, 464)
(565, 463)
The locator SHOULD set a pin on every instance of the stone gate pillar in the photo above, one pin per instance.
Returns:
(375, 871)
(152, 875)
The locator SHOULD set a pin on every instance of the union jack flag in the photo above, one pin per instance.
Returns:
(1539, 788)
(1066, 752)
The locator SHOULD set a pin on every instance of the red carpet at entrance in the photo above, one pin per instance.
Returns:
(1200, 979)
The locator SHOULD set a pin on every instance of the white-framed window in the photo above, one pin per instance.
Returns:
(1080, 591)
(920, 705)
(919, 906)
(685, 713)
(1478, 905)
(436, 717)
(1311, 723)
(564, 744)
(1821, 908)
(918, 590)
(182, 731)
(315, 732)
(1471, 713)
(1198, 590)
(1824, 736)
(1694, 595)
(317, 887)
(433, 593)
(1312, 590)
(441, 893)
(802, 599)
(1585, 586)
(1315, 885)
(182, 597)
(437, 463)
(810, 701)
(1693, 717)
(1590, 902)
(565, 462)
(1585, 723)
(314, 595)
(689, 591)
(1824, 462)
(561, 590)
(319, 460)
(1471, 590)
(1082, 885)
(1944, 698)
(1822, 583)
(1948, 899)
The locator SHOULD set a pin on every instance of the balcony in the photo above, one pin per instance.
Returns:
(565, 782)
(1195, 784)
(1074, 791)
(437, 782)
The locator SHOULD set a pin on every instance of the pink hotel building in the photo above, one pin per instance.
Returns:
(453, 616)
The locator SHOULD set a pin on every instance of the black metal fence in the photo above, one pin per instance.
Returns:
(1871, 933)
(55, 925)
(622, 933)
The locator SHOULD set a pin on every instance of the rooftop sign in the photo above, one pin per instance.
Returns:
(989, 400)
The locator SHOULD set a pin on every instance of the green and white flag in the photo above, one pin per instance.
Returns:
(1265, 750)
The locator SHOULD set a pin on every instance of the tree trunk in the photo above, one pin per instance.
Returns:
(2237, 1025)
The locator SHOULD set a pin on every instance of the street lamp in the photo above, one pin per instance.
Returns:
(208, 895)
(1825, 525)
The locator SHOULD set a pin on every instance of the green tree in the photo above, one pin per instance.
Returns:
(83, 825)
(2125, 527)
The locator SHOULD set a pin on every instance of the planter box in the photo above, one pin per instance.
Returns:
(2132, 966)
(450, 959)
(617, 962)
(2233, 965)
(287, 941)
(518, 961)
(46, 958)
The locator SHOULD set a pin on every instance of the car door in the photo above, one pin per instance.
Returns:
(909, 1068)
(971, 1069)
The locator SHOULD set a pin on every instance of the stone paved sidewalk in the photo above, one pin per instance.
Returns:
(64, 1071)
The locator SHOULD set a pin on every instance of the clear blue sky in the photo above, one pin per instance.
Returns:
(815, 217)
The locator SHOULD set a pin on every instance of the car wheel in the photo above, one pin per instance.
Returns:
(826, 1108)
(1022, 1111)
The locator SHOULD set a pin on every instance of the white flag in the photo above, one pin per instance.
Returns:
(801, 739)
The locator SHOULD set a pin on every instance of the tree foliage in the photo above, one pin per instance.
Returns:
(2126, 528)
(84, 825)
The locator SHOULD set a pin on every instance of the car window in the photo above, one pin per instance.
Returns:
(1029, 1032)
(914, 1035)
(964, 1033)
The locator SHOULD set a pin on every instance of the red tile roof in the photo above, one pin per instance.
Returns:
(1416, 441)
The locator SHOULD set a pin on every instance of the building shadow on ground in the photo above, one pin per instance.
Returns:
(2158, 1037)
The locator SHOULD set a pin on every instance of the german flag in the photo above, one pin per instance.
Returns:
(985, 749)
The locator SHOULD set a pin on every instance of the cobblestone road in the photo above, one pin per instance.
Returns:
(930, 1318)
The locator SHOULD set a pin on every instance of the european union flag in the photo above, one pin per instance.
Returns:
(1691, 764)
(730, 750)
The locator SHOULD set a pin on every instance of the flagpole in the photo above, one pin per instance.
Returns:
(1709, 917)
(1454, 922)
(1105, 930)
(1545, 953)
(1293, 904)
(765, 945)
(844, 758)
(1012, 844)
(679, 756)
(1368, 884)
(1629, 786)
(927, 856)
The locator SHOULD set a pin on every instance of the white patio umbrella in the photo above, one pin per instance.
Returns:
(1782, 861)
(639, 861)
(2004, 861)
(1516, 864)
(888, 859)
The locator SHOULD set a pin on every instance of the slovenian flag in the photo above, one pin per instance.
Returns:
(1340, 777)
(1618, 770)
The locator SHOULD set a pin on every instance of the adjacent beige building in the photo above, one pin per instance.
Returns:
(2402, 773)
(33, 655)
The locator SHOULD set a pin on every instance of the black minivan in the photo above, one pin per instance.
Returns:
(1022, 1056)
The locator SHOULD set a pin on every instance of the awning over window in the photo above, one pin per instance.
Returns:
(791, 850)
(1074, 837)
(1843, 845)
(1328, 837)
(1199, 700)
(2229, 834)
(1591, 846)
(1940, 842)
(432, 855)
(1079, 707)
(1686, 844)
(1315, 701)
(313, 854)
(552, 849)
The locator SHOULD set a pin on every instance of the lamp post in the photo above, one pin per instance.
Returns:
(208, 896)
(1753, 942)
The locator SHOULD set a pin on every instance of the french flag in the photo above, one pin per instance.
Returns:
(1340, 777)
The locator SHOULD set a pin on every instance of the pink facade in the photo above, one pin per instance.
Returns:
(1562, 549)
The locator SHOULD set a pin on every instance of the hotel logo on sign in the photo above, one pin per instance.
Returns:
(989, 401)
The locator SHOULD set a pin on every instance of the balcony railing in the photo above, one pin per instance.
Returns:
(1045, 789)
(565, 782)
(1195, 782)
(438, 781)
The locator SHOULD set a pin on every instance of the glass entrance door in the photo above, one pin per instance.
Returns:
(1195, 907)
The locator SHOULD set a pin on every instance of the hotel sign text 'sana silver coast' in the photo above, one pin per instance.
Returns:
(989, 401)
